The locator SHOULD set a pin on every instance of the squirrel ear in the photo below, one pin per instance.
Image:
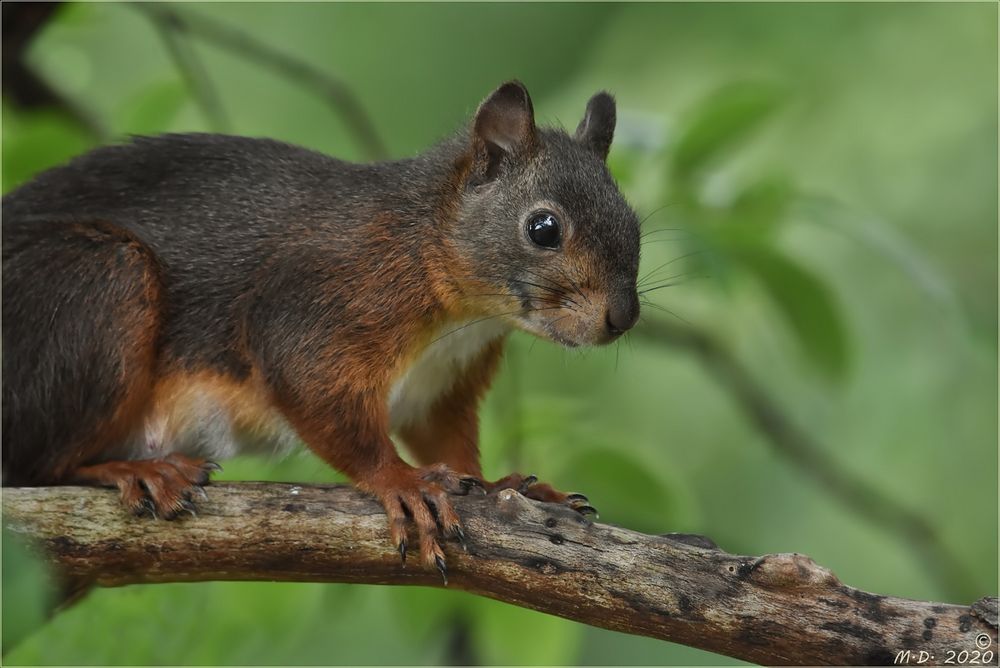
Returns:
(504, 124)
(597, 128)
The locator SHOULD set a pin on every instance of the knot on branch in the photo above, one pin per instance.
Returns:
(788, 571)
(986, 609)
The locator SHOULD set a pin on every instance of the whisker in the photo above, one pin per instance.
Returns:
(655, 211)
(671, 284)
(492, 317)
(650, 274)
(550, 292)
(668, 311)
(552, 285)
(666, 279)
(576, 288)
(539, 298)
(660, 230)
(672, 240)
(540, 277)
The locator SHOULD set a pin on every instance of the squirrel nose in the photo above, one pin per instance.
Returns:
(621, 316)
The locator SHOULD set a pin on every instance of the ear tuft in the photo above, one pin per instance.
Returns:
(597, 128)
(504, 125)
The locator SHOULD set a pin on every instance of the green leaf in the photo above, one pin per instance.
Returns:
(721, 121)
(761, 207)
(27, 591)
(808, 304)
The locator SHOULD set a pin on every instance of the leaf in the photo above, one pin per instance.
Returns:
(809, 306)
(760, 208)
(721, 121)
(27, 591)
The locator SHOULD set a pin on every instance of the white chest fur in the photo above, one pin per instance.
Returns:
(437, 368)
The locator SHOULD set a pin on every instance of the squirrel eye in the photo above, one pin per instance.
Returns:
(543, 229)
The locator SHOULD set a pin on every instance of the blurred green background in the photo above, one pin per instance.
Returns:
(820, 183)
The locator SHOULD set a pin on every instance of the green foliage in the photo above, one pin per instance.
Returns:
(27, 591)
(807, 304)
(507, 635)
(720, 122)
(771, 148)
(34, 142)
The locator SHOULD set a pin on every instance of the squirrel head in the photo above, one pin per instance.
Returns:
(548, 241)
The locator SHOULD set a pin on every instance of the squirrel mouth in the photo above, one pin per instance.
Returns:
(541, 325)
(563, 340)
(544, 329)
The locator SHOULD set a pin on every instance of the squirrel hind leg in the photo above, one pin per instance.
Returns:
(163, 487)
(81, 317)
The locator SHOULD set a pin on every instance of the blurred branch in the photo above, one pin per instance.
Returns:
(775, 609)
(337, 93)
(810, 457)
(173, 32)
(21, 23)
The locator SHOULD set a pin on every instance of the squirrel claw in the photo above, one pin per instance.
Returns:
(526, 483)
(145, 507)
(581, 504)
(442, 569)
(212, 466)
(469, 483)
(402, 552)
(184, 506)
(459, 533)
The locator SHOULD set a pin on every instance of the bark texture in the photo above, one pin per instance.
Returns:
(774, 609)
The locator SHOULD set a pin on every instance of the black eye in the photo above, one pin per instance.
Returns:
(543, 229)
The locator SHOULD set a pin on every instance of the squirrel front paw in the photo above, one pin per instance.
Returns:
(422, 494)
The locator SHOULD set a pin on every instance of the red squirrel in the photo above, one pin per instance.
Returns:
(177, 299)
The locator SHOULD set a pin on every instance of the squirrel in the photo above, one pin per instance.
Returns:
(177, 299)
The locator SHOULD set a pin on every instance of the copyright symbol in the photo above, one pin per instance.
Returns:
(983, 641)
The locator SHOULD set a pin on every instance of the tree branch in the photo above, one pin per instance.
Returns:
(336, 92)
(775, 609)
(172, 31)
